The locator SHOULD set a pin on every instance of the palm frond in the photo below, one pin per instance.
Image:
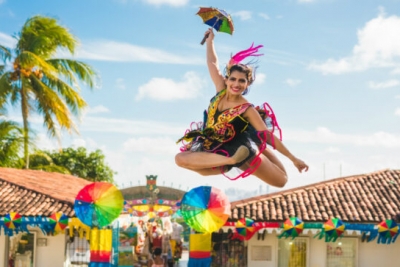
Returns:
(5, 53)
(51, 106)
(69, 68)
(30, 60)
(5, 88)
(72, 98)
(43, 36)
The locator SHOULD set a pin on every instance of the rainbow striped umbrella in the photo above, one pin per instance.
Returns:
(293, 227)
(205, 209)
(245, 227)
(98, 204)
(334, 228)
(388, 228)
(12, 220)
(58, 222)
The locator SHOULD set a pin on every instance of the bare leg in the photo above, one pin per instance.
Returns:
(271, 170)
(208, 171)
(205, 160)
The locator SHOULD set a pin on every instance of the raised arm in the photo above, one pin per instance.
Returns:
(212, 62)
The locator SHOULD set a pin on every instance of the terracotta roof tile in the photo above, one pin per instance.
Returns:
(368, 198)
(38, 193)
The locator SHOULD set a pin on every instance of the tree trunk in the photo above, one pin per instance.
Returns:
(25, 111)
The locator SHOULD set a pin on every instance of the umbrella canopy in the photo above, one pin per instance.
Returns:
(245, 227)
(217, 19)
(388, 228)
(58, 221)
(12, 220)
(205, 209)
(293, 227)
(333, 228)
(98, 204)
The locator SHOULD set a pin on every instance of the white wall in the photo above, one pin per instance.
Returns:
(52, 255)
(269, 240)
(370, 254)
(2, 249)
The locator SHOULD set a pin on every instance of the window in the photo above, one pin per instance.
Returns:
(342, 253)
(78, 251)
(21, 250)
(293, 253)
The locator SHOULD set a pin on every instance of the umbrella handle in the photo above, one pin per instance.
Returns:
(204, 38)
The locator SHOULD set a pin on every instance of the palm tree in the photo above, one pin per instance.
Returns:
(40, 83)
(11, 142)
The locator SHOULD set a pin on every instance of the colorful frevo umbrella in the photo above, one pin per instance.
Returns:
(12, 220)
(333, 228)
(292, 227)
(217, 19)
(98, 204)
(58, 222)
(245, 228)
(205, 209)
(388, 228)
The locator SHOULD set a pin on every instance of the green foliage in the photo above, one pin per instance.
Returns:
(11, 143)
(78, 162)
(39, 83)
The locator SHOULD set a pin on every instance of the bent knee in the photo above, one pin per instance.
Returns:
(281, 182)
(180, 160)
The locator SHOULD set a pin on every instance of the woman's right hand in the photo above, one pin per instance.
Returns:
(210, 34)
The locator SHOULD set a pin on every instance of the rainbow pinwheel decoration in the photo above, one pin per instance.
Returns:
(205, 209)
(333, 228)
(292, 227)
(12, 220)
(58, 222)
(245, 227)
(388, 230)
(98, 204)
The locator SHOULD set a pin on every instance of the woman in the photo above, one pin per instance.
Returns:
(231, 126)
(157, 260)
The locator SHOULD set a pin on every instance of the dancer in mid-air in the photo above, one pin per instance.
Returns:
(234, 135)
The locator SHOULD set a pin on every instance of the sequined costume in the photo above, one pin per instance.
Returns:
(223, 132)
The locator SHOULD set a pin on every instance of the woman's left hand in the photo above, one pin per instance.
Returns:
(300, 165)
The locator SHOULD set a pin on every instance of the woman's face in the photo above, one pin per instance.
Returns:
(237, 82)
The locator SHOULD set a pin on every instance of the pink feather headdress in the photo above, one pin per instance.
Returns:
(250, 52)
(241, 55)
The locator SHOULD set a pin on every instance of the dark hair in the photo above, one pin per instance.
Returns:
(157, 252)
(247, 70)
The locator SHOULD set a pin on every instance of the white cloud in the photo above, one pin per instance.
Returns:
(332, 149)
(106, 50)
(378, 46)
(397, 112)
(293, 82)
(395, 71)
(133, 127)
(174, 3)
(164, 89)
(382, 85)
(397, 97)
(306, 1)
(2, 1)
(97, 109)
(243, 14)
(6, 40)
(326, 136)
(120, 84)
(160, 145)
(260, 78)
(265, 16)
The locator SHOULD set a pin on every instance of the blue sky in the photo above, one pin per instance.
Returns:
(330, 70)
